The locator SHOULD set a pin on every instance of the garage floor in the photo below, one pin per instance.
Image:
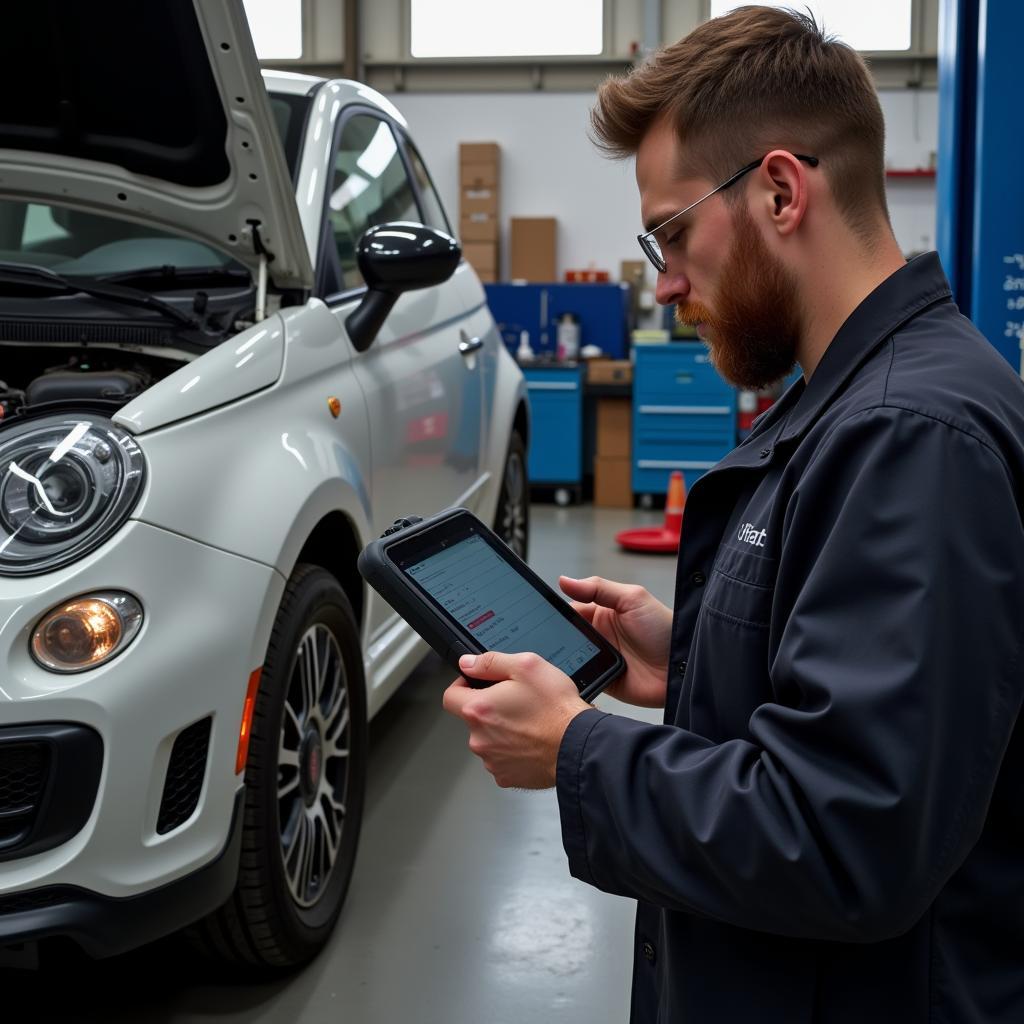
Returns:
(461, 909)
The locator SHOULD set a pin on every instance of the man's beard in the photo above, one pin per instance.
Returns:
(753, 332)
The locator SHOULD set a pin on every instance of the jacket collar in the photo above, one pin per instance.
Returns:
(900, 297)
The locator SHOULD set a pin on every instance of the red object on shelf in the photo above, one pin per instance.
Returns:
(913, 172)
(662, 539)
(588, 276)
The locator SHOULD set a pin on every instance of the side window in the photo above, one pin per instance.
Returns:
(369, 187)
(433, 211)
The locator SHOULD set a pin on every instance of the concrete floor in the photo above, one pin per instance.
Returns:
(461, 909)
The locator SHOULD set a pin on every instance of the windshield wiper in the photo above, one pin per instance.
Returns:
(88, 286)
(172, 274)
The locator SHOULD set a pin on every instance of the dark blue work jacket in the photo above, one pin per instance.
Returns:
(829, 826)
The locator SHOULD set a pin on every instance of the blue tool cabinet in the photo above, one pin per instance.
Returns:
(556, 431)
(684, 415)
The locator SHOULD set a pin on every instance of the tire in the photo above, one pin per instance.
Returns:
(303, 804)
(512, 519)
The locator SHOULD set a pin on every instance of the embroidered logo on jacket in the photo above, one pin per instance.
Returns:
(750, 534)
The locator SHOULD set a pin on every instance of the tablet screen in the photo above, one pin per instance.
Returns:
(495, 604)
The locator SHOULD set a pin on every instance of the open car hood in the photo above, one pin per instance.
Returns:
(151, 110)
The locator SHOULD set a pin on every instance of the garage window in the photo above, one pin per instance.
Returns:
(369, 187)
(527, 28)
(872, 25)
(276, 27)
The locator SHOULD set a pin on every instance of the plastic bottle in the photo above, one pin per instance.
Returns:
(524, 353)
(568, 337)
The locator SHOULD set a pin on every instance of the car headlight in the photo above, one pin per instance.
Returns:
(86, 632)
(66, 484)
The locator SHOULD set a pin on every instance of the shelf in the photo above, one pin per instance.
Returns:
(915, 172)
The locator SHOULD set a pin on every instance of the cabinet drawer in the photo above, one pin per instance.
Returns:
(679, 378)
(655, 460)
(674, 382)
(683, 424)
(554, 378)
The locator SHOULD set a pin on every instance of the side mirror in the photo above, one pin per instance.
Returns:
(395, 258)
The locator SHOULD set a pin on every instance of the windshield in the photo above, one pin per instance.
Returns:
(73, 242)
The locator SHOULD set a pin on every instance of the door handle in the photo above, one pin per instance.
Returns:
(470, 345)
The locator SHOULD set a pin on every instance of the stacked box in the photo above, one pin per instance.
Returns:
(612, 465)
(533, 249)
(479, 179)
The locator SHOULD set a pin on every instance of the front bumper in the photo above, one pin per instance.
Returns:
(207, 620)
(103, 926)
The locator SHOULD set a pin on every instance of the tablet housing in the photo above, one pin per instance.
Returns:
(465, 592)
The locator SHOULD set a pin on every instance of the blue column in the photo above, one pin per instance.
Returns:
(981, 169)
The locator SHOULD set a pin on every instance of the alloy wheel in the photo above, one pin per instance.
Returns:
(312, 767)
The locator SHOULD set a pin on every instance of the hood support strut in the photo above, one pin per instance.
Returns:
(266, 258)
(261, 289)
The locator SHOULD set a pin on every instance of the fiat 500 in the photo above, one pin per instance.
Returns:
(237, 340)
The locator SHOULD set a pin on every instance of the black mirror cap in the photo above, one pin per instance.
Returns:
(401, 257)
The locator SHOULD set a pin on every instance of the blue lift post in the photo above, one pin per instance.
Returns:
(981, 165)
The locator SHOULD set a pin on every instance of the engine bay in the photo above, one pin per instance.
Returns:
(32, 376)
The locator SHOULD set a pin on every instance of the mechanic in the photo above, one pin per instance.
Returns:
(829, 825)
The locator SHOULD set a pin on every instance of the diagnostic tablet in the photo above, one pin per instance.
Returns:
(465, 592)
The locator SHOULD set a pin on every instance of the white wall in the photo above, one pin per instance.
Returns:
(550, 168)
(911, 141)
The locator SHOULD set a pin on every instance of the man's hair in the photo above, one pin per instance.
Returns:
(751, 81)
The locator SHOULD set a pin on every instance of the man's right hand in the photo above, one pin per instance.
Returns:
(638, 624)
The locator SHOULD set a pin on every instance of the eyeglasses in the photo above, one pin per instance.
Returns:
(649, 244)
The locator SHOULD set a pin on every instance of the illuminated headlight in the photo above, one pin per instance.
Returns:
(66, 484)
(86, 632)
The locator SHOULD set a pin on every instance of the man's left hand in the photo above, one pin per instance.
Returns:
(515, 725)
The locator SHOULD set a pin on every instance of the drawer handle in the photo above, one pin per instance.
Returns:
(684, 378)
(673, 464)
(550, 385)
(687, 410)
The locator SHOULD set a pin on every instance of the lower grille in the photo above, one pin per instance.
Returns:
(24, 768)
(49, 774)
(185, 773)
(33, 899)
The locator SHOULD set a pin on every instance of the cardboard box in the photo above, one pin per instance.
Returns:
(478, 175)
(613, 486)
(609, 371)
(478, 227)
(483, 258)
(614, 426)
(478, 200)
(479, 153)
(533, 249)
(633, 272)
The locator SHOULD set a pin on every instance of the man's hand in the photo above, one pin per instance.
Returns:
(516, 725)
(638, 625)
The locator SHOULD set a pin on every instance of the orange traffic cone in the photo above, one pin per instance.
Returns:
(665, 538)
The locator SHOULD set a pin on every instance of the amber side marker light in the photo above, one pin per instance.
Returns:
(245, 728)
(334, 405)
(86, 632)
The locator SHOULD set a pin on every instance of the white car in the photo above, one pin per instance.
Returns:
(227, 365)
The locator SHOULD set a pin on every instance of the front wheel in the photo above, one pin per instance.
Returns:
(512, 520)
(305, 782)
